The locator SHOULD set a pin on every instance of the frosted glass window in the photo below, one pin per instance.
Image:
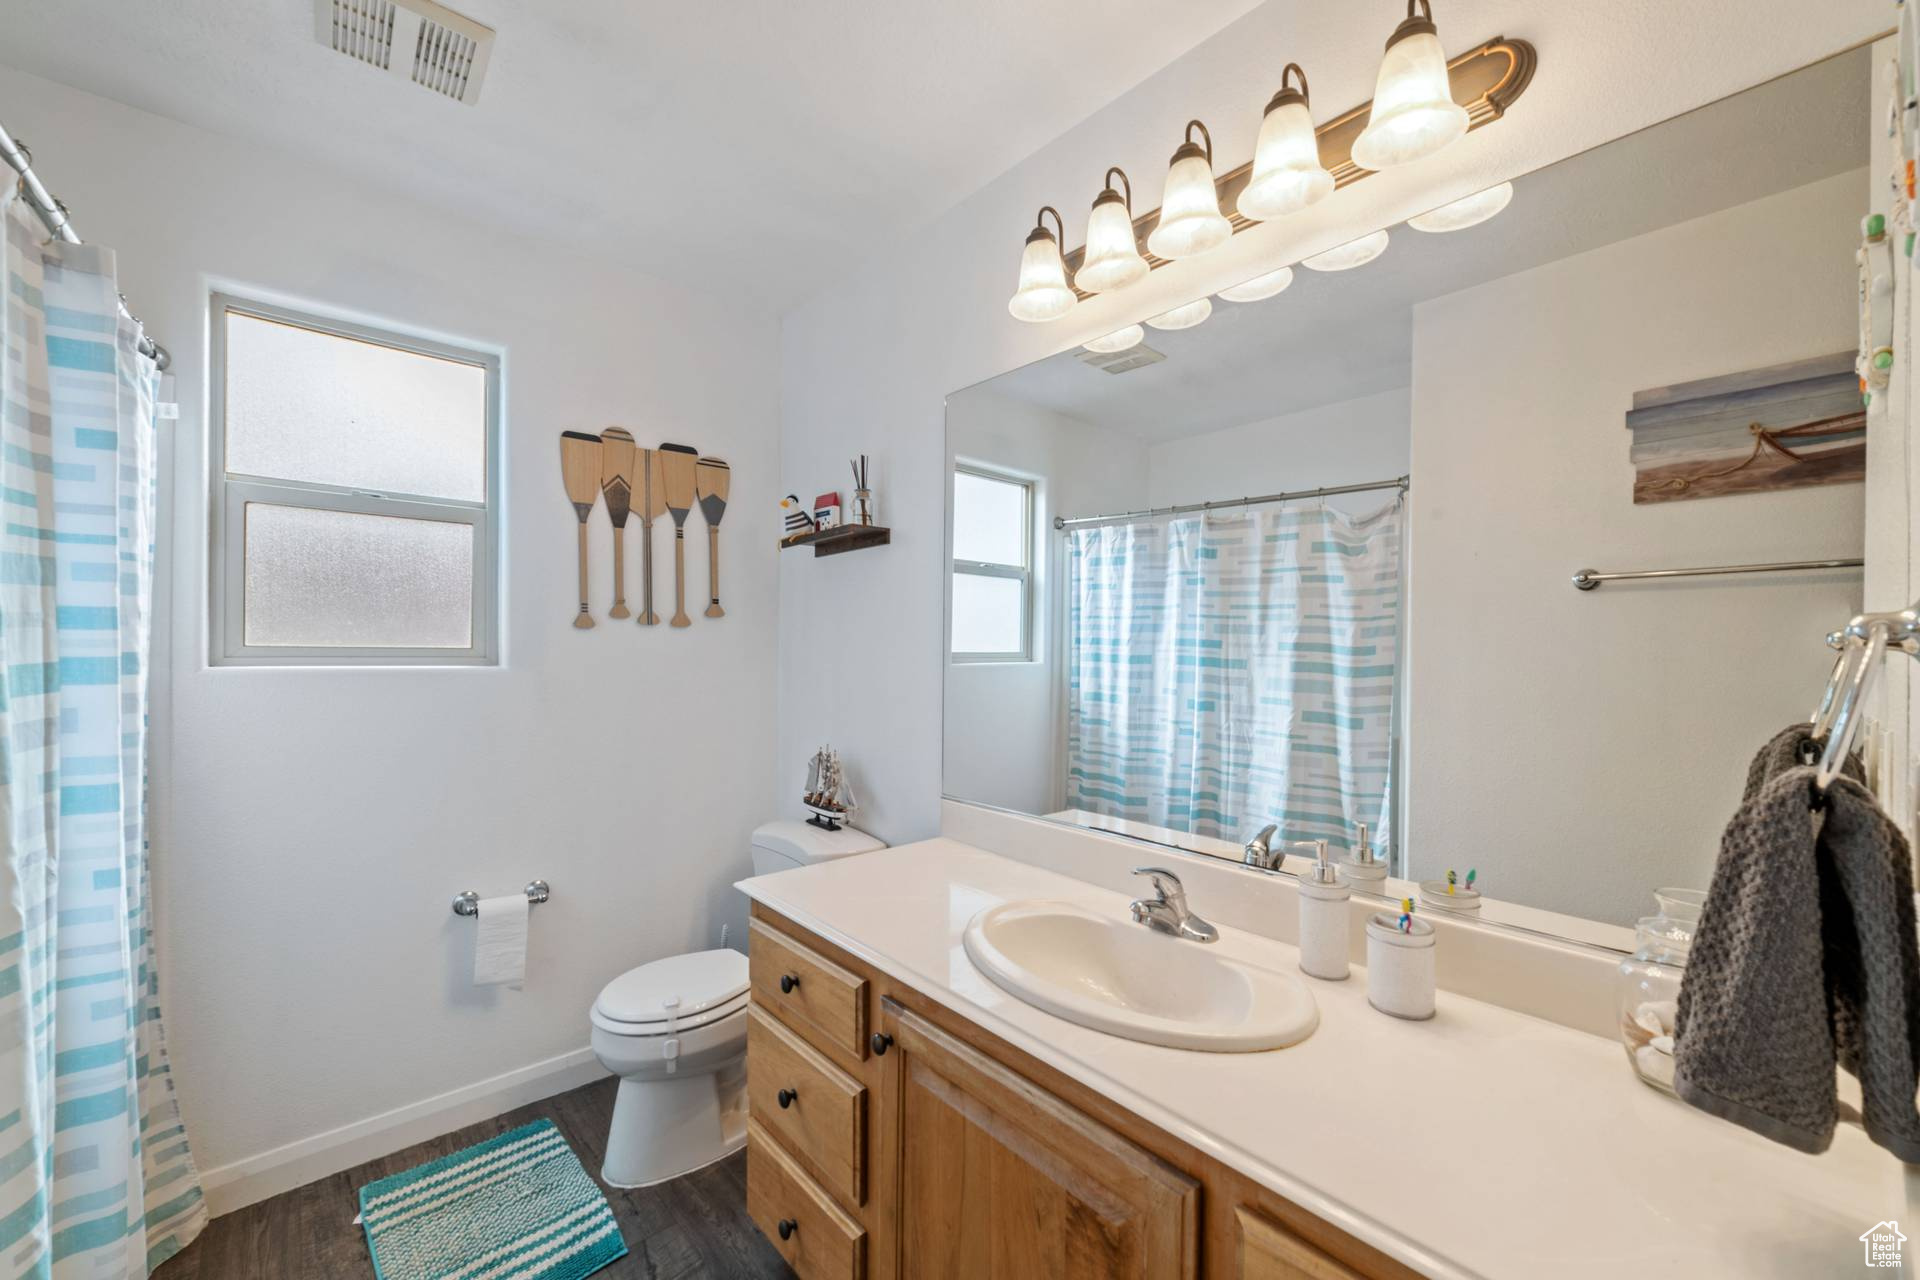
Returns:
(989, 615)
(319, 408)
(990, 519)
(330, 579)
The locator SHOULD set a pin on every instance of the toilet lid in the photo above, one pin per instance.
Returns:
(699, 980)
(735, 1009)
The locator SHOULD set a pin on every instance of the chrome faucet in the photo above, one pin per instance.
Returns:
(1166, 912)
(1259, 852)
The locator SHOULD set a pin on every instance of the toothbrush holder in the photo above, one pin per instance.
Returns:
(1400, 968)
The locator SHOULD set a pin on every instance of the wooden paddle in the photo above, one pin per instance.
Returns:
(616, 482)
(678, 463)
(580, 468)
(710, 480)
(653, 503)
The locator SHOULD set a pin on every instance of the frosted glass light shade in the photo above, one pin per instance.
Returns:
(1287, 173)
(1043, 293)
(1469, 212)
(1119, 340)
(1190, 219)
(1113, 258)
(1260, 287)
(1183, 317)
(1345, 257)
(1414, 114)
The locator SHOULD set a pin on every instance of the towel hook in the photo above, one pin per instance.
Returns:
(468, 903)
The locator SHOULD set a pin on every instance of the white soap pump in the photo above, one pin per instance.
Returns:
(1362, 869)
(1323, 917)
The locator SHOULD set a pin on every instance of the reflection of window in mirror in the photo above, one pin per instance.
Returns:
(992, 566)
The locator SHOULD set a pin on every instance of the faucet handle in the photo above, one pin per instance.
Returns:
(1166, 884)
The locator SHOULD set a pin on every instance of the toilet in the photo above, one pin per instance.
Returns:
(675, 1032)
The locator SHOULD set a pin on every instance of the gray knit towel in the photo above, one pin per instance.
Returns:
(1791, 748)
(1804, 957)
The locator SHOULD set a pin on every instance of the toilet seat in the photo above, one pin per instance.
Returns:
(663, 1027)
(677, 993)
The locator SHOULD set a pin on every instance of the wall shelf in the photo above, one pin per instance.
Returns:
(846, 537)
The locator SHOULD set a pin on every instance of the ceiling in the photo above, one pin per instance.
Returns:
(1340, 336)
(739, 144)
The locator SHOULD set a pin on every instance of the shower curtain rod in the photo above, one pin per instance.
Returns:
(54, 214)
(1403, 483)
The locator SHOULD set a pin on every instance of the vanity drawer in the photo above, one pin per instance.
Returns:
(1268, 1251)
(821, 1242)
(824, 1119)
(807, 991)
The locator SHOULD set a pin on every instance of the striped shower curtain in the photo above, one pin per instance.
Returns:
(1228, 671)
(95, 1177)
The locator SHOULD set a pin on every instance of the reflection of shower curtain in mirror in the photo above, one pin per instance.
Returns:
(1234, 670)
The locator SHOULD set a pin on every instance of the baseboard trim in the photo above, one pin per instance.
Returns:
(244, 1182)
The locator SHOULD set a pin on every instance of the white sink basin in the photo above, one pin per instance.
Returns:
(1126, 980)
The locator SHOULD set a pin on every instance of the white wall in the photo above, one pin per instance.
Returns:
(866, 364)
(1348, 442)
(312, 825)
(1582, 748)
(1005, 739)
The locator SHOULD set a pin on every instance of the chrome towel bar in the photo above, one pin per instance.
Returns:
(1588, 579)
(468, 903)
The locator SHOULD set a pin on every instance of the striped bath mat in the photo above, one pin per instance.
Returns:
(515, 1207)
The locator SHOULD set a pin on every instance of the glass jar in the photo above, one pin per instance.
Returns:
(1649, 983)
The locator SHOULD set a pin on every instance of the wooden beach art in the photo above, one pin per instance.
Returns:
(1784, 427)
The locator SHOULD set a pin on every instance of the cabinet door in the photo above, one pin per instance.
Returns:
(983, 1174)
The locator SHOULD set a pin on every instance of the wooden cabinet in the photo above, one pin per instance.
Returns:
(914, 1145)
(989, 1176)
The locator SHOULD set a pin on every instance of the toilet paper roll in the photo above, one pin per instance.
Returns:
(500, 945)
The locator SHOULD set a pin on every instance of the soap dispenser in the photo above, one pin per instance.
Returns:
(1363, 870)
(1323, 917)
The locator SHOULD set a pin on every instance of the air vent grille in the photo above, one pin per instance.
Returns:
(1136, 357)
(443, 59)
(361, 29)
(449, 51)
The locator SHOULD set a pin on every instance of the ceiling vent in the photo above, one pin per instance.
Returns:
(1138, 356)
(417, 40)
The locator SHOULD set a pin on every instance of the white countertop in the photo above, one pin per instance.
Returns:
(1481, 1143)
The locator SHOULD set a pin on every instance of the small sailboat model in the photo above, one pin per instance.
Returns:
(828, 795)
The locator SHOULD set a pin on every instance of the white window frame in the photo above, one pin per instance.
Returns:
(987, 569)
(231, 492)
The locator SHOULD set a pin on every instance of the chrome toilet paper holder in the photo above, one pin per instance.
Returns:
(468, 903)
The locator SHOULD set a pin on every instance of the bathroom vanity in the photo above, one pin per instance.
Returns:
(888, 1131)
(933, 1124)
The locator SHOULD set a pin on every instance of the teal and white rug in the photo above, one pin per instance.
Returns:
(515, 1207)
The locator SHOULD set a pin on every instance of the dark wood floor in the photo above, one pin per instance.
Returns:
(696, 1226)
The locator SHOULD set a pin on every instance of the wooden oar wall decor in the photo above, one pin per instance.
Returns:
(669, 479)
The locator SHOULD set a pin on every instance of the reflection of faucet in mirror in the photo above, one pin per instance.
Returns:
(1166, 912)
(1259, 853)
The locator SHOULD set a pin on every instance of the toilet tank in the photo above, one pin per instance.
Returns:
(790, 843)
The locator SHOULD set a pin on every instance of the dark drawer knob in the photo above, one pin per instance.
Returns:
(787, 1227)
(881, 1042)
(786, 1097)
(787, 983)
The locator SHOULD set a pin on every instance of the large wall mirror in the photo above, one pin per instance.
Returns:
(1643, 362)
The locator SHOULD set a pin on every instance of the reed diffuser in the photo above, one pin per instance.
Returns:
(862, 495)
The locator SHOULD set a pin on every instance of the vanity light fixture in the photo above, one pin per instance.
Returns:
(1287, 173)
(1183, 317)
(1043, 292)
(1190, 219)
(1413, 113)
(1468, 212)
(1113, 258)
(1260, 287)
(1345, 257)
(1119, 340)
